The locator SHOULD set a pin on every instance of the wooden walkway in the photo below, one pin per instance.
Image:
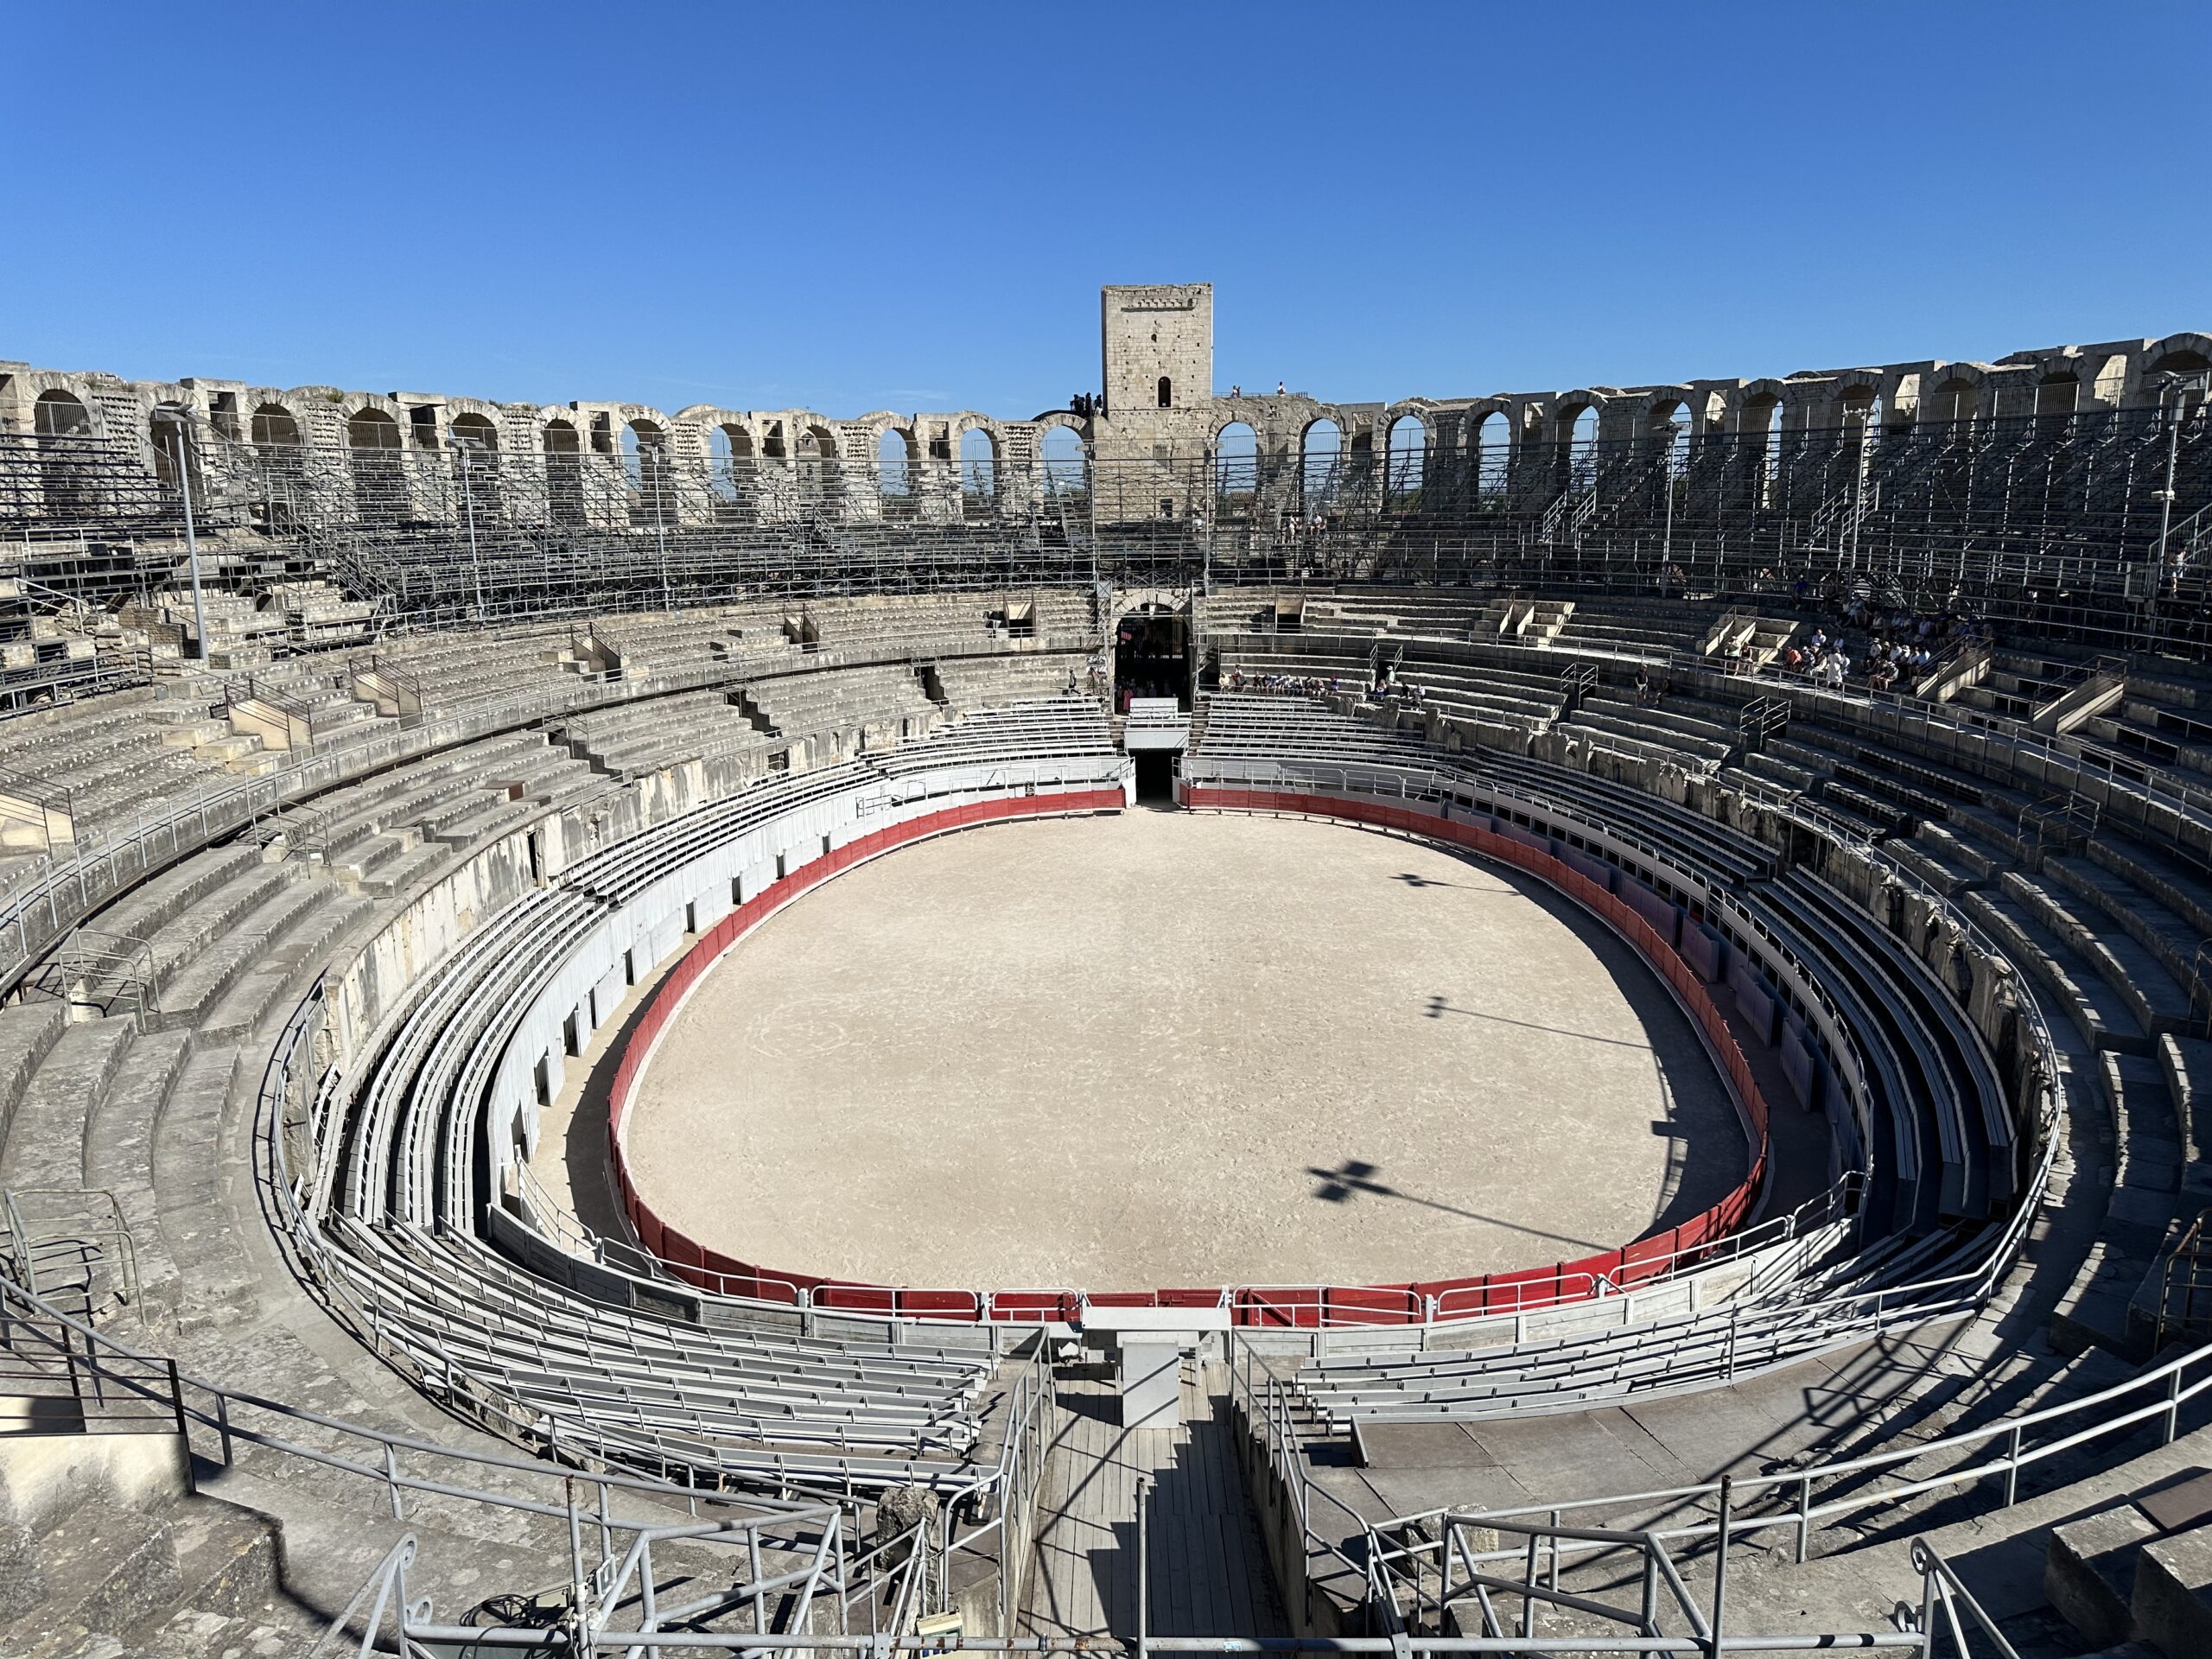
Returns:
(1209, 1569)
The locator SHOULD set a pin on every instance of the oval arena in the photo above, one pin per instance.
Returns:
(756, 1029)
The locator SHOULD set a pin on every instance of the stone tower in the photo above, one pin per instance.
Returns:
(1156, 347)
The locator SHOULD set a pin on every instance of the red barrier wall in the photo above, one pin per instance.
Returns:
(1304, 1306)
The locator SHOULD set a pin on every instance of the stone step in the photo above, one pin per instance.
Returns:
(44, 1141)
(230, 753)
(107, 1567)
(2103, 1018)
(186, 996)
(2131, 972)
(180, 941)
(28, 1032)
(280, 978)
(140, 913)
(198, 1231)
(117, 1157)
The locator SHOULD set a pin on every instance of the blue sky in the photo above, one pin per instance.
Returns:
(859, 206)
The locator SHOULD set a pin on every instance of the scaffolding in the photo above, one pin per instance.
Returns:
(2084, 526)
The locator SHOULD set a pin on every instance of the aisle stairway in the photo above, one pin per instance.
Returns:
(1208, 1568)
(105, 1550)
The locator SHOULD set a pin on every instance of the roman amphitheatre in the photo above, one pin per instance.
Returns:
(1560, 1021)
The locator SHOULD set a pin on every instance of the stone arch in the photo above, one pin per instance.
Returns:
(61, 413)
(473, 437)
(1406, 435)
(1574, 417)
(897, 456)
(1956, 396)
(1491, 433)
(980, 455)
(371, 427)
(470, 429)
(817, 456)
(373, 442)
(648, 471)
(1757, 404)
(1858, 393)
(1575, 421)
(2187, 356)
(730, 456)
(273, 425)
(1063, 454)
(2058, 390)
(1669, 418)
(61, 424)
(1320, 459)
(1761, 410)
(2185, 353)
(169, 435)
(563, 444)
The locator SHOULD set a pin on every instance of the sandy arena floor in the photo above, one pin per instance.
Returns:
(1168, 1048)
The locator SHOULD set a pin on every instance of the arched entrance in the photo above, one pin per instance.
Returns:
(1152, 660)
(1152, 654)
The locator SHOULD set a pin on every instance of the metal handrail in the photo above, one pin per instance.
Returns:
(2158, 1396)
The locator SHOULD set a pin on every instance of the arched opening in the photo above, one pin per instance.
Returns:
(1762, 431)
(1862, 430)
(276, 437)
(729, 455)
(979, 466)
(63, 427)
(1167, 392)
(815, 452)
(61, 415)
(1581, 432)
(1955, 403)
(1152, 656)
(168, 433)
(476, 466)
(1493, 453)
(1321, 463)
(2057, 395)
(1063, 458)
(564, 473)
(1235, 467)
(2179, 381)
(273, 424)
(646, 470)
(1406, 457)
(379, 486)
(894, 466)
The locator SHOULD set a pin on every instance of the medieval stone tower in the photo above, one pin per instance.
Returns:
(1156, 348)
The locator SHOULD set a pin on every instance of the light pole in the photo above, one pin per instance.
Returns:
(2173, 385)
(660, 540)
(179, 420)
(468, 509)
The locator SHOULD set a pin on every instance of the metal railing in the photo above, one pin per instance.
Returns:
(619, 1601)
(1787, 1502)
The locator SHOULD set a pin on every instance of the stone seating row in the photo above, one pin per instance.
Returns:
(413, 1120)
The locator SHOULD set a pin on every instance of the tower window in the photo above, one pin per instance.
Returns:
(1167, 392)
